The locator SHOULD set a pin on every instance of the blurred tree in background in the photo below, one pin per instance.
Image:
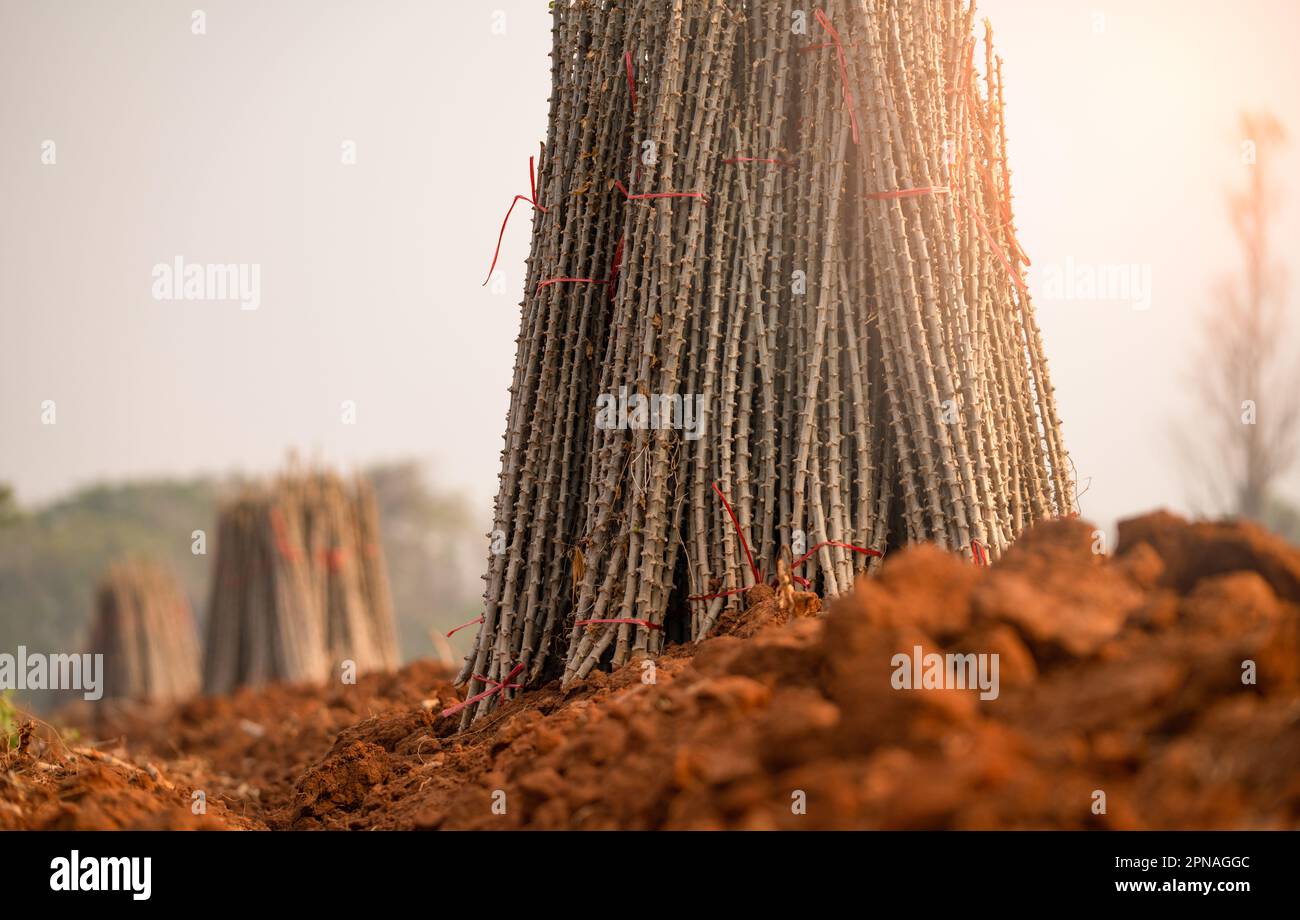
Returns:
(1243, 438)
(51, 557)
(8, 505)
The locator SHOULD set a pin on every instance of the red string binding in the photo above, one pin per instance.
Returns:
(997, 249)
(473, 622)
(286, 549)
(532, 188)
(497, 688)
(857, 549)
(844, 70)
(758, 576)
(631, 88)
(612, 280)
(619, 185)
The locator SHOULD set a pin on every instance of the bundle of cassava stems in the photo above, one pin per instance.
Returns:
(299, 585)
(144, 628)
(797, 219)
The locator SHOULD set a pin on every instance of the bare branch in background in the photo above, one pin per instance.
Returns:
(1243, 438)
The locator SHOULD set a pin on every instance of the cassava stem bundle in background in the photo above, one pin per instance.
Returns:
(803, 217)
(299, 584)
(145, 630)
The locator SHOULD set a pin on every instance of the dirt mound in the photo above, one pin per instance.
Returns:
(1163, 683)
(245, 753)
(1115, 679)
(270, 736)
(46, 784)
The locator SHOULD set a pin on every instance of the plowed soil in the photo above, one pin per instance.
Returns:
(1158, 688)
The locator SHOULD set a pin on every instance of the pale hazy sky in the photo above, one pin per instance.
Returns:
(225, 147)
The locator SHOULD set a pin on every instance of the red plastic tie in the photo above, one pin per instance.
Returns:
(980, 553)
(844, 70)
(473, 622)
(964, 89)
(857, 549)
(758, 577)
(286, 549)
(1002, 256)
(631, 88)
(487, 680)
(612, 280)
(497, 688)
(648, 195)
(532, 188)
